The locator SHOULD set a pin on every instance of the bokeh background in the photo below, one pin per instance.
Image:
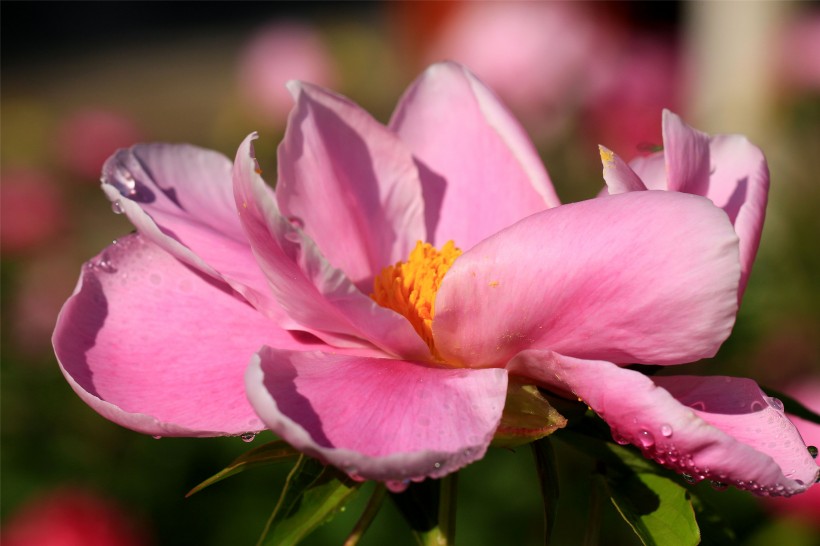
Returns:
(80, 80)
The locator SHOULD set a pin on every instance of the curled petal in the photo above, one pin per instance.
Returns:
(316, 295)
(159, 347)
(687, 156)
(718, 428)
(379, 419)
(345, 177)
(180, 197)
(619, 177)
(479, 171)
(637, 277)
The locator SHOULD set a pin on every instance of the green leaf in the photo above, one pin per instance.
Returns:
(272, 452)
(429, 507)
(528, 416)
(548, 480)
(312, 495)
(657, 508)
(792, 406)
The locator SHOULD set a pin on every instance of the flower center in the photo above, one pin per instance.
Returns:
(410, 287)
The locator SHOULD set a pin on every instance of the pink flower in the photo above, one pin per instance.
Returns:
(164, 330)
(86, 138)
(71, 517)
(727, 169)
(31, 211)
(803, 507)
(278, 53)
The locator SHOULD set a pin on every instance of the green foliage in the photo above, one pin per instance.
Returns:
(312, 495)
(272, 452)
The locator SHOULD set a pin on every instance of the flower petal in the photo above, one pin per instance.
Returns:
(619, 177)
(318, 296)
(737, 438)
(479, 171)
(160, 348)
(637, 277)
(379, 419)
(687, 156)
(179, 197)
(347, 178)
(739, 184)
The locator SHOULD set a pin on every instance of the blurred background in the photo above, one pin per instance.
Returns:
(80, 80)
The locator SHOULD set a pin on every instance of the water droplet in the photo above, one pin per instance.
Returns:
(157, 437)
(104, 264)
(666, 430)
(756, 406)
(116, 207)
(292, 236)
(248, 436)
(812, 451)
(699, 406)
(646, 438)
(688, 478)
(437, 465)
(775, 403)
(296, 221)
(619, 439)
(397, 487)
(718, 486)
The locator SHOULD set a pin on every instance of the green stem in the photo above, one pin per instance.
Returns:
(444, 534)
(596, 498)
(370, 511)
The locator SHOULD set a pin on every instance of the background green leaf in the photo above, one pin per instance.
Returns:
(312, 495)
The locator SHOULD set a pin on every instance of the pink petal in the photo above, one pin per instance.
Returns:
(687, 156)
(160, 348)
(347, 178)
(740, 186)
(737, 438)
(379, 419)
(479, 171)
(316, 295)
(619, 177)
(637, 277)
(651, 170)
(179, 197)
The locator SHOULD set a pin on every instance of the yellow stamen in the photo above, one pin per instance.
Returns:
(410, 287)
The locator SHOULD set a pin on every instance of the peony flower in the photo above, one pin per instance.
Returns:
(372, 308)
(72, 517)
(727, 169)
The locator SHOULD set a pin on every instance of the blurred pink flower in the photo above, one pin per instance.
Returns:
(628, 95)
(803, 507)
(281, 52)
(31, 211)
(799, 60)
(399, 372)
(538, 56)
(86, 138)
(71, 517)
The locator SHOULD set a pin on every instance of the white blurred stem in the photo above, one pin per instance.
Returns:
(732, 48)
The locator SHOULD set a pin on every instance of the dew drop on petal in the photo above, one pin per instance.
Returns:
(688, 478)
(296, 221)
(775, 403)
(756, 406)
(699, 406)
(116, 207)
(666, 430)
(619, 439)
(437, 465)
(248, 436)
(812, 451)
(646, 438)
(718, 486)
(156, 437)
(292, 236)
(397, 487)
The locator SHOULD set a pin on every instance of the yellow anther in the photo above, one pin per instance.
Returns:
(410, 287)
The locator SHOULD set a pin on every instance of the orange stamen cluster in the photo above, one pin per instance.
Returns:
(410, 287)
